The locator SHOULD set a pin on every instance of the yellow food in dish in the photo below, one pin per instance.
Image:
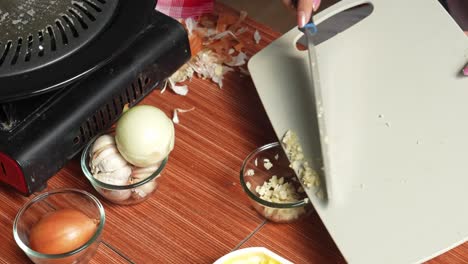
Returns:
(252, 258)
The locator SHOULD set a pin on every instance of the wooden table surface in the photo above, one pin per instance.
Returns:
(199, 212)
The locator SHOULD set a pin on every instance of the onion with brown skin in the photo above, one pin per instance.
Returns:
(62, 231)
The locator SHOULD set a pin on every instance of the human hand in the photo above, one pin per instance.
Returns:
(304, 9)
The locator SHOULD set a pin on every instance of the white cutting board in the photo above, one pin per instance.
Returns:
(397, 119)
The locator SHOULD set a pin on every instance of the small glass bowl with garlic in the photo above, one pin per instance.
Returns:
(115, 178)
(272, 186)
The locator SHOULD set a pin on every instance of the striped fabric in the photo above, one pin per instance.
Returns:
(184, 8)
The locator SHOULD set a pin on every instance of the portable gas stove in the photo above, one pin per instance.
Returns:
(67, 69)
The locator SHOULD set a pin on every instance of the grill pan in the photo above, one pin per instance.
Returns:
(37, 32)
(47, 47)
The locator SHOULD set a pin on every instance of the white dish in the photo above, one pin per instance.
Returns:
(252, 255)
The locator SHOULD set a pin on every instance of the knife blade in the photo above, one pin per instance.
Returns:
(310, 30)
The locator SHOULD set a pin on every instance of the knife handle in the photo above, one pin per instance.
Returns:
(310, 27)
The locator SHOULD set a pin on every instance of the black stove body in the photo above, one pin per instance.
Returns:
(69, 80)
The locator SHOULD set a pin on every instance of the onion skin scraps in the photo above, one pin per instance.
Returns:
(62, 231)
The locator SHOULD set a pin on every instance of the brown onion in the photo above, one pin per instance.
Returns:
(62, 231)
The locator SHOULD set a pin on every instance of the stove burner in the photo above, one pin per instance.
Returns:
(36, 32)
(50, 112)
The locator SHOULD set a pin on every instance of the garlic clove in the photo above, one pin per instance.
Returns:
(118, 177)
(101, 155)
(111, 163)
(123, 173)
(145, 189)
(101, 142)
(116, 195)
(144, 172)
(104, 152)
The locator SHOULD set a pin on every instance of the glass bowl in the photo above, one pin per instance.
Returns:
(48, 202)
(272, 186)
(136, 191)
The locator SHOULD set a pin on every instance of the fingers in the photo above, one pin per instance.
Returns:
(288, 3)
(316, 4)
(305, 9)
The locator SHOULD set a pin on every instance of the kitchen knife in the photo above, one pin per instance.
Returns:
(310, 30)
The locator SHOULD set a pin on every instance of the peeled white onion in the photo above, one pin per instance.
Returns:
(144, 135)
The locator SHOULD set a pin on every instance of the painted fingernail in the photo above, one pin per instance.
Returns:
(301, 19)
(465, 70)
(316, 5)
